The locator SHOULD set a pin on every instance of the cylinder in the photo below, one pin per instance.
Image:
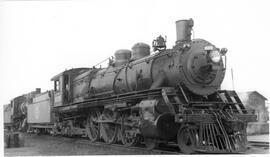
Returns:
(163, 127)
(183, 30)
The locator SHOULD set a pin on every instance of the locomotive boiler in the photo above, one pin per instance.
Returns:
(195, 64)
(169, 95)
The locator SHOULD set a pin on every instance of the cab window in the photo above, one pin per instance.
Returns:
(56, 86)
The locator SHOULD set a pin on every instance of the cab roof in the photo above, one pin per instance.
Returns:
(70, 71)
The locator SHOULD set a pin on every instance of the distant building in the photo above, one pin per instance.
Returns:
(253, 100)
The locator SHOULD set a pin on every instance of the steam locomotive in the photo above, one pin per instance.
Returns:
(170, 96)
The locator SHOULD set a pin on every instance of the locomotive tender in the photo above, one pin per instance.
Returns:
(172, 95)
(15, 113)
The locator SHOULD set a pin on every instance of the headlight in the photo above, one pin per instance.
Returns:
(215, 56)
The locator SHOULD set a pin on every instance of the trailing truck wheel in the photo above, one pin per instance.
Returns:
(108, 130)
(92, 126)
(69, 132)
(37, 131)
(6, 140)
(187, 138)
(128, 132)
(21, 140)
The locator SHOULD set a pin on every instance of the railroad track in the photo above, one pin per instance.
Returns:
(139, 147)
(164, 149)
(258, 144)
(167, 149)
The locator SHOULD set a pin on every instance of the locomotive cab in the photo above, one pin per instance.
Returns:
(60, 89)
(64, 86)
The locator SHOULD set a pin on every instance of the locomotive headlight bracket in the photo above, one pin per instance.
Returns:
(223, 52)
(215, 56)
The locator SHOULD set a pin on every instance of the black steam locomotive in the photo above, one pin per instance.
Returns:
(172, 95)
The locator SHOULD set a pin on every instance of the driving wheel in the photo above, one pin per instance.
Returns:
(128, 133)
(92, 126)
(108, 128)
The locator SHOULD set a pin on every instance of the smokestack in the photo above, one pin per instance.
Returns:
(38, 90)
(183, 30)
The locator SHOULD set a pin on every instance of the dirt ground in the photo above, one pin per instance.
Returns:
(258, 138)
(46, 145)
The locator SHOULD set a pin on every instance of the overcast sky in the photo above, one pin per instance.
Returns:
(40, 39)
